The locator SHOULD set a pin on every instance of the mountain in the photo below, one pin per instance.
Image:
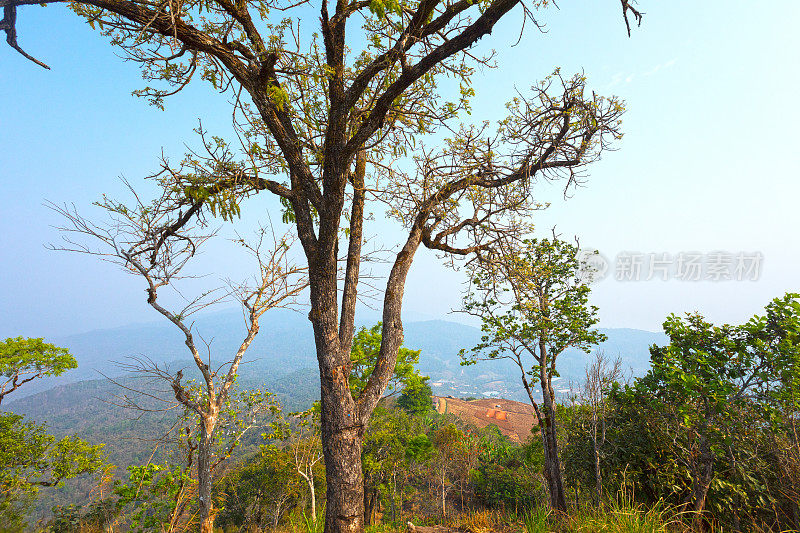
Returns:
(285, 346)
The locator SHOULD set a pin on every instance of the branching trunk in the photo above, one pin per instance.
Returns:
(309, 477)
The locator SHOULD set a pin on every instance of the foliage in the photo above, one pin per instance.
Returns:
(710, 427)
(23, 360)
(507, 475)
(417, 396)
(260, 492)
(364, 355)
(532, 295)
(155, 493)
(30, 458)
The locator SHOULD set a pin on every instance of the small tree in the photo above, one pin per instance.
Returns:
(708, 375)
(29, 457)
(533, 305)
(154, 243)
(23, 360)
(364, 355)
(417, 396)
(299, 437)
(601, 374)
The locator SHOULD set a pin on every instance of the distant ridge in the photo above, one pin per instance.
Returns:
(285, 344)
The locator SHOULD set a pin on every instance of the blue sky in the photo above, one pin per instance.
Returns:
(708, 162)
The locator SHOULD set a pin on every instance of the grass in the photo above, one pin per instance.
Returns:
(616, 517)
(625, 518)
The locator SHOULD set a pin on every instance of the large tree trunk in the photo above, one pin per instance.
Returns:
(343, 417)
(342, 425)
(204, 480)
(344, 512)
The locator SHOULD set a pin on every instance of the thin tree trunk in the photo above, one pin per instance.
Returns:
(370, 497)
(394, 496)
(552, 464)
(598, 481)
(204, 480)
(703, 476)
(444, 495)
(313, 497)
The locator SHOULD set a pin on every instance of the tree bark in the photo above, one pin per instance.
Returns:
(204, 483)
(344, 512)
(551, 462)
(703, 474)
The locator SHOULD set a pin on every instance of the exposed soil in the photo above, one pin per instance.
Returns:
(515, 419)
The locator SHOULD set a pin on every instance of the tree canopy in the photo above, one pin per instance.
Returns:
(22, 360)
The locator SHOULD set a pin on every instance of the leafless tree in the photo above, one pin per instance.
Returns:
(601, 374)
(306, 452)
(153, 242)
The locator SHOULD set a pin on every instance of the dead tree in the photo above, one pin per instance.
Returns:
(601, 374)
(153, 242)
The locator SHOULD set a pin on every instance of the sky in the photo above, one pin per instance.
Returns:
(707, 170)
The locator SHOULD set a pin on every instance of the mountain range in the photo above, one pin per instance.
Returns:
(284, 349)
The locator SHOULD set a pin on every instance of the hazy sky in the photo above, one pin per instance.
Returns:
(709, 160)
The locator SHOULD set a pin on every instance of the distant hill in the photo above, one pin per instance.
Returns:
(285, 345)
(282, 360)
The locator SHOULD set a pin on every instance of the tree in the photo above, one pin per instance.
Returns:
(259, 494)
(533, 305)
(600, 377)
(313, 114)
(708, 376)
(22, 360)
(384, 460)
(365, 354)
(300, 436)
(446, 463)
(417, 396)
(30, 457)
(145, 241)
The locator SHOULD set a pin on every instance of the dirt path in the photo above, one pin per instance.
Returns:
(441, 406)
